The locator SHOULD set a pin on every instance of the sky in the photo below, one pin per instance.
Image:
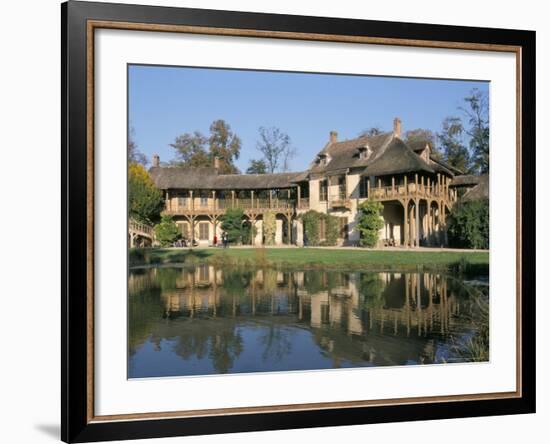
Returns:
(165, 102)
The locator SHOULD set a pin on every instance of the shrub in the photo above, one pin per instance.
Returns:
(144, 200)
(166, 232)
(468, 225)
(232, 224)
(269, 227)
(369, 223)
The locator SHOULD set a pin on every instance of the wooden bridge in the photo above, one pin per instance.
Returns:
(139, 234)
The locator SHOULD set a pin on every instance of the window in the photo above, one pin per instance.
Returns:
(342, 187)
(204, 200)
(363, 187)
(323, 190)
(182, 202)
(204, 231)
(184, 229)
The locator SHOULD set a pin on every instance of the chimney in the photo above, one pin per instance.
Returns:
(333, 137)
(156, 160)
(216, 162)
(397, 127)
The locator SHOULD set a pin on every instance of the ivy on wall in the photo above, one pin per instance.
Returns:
(313, 221)
(269, 227)
(370, 223)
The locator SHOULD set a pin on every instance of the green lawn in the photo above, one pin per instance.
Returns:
(315, 257)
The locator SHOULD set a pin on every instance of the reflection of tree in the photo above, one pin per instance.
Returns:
(371, 288)
(277, 342)
(225, 348)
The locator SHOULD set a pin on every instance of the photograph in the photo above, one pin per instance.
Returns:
(286, 221)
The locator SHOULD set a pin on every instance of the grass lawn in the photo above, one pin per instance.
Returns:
(315, 257)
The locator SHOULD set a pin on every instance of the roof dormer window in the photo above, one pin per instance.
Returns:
(364, 152)
(323, 159)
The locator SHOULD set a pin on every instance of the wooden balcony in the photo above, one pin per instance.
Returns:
(412, 190)
(339, 203)
(219, 206)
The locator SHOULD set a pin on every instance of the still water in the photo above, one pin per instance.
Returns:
(205, 320)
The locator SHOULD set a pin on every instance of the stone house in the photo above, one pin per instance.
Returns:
(415, 188)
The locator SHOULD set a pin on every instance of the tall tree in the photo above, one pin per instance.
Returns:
(196, 150)
(276, 149)
(191, 150)
(372, 131)
(455, 153)
(134, 154)
(257, 167)
(477, 113)
(225, 145)
(144, 199)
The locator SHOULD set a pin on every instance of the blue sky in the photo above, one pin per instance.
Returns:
(165, 102)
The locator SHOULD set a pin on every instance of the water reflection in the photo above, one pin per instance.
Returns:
(207, 320)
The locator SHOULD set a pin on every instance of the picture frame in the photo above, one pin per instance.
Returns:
(80, 21)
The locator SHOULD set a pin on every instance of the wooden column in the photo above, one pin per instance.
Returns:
(252, 199)
(288, 230)
(232, 198)
(298, 191)
(438, 184)
(270, 198)
(192, 200)
(417, 223)
(214, 206)
(368, 187)
(406, 186)
(405, 224)
(392, 185)
(167, 203)
(416, 184)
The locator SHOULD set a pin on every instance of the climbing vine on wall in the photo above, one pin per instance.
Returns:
(313, 223)
(269, 226)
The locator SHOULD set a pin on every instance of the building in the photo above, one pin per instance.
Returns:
(415, 188)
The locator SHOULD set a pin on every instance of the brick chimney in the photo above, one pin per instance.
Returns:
(333, 137)
(156, 160)
(216, 162)
(397, 127)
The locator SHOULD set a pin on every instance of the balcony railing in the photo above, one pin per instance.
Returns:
(340, 202)
(411, 190)
(220, 205)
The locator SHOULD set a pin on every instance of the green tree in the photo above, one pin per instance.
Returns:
(166, 232)
(468, 224)
(477, 113)
(369, 223)
(196, 150)
(276, 148)
(225, 145)
(232, 224)
(144, 199)
(455, 153)
(257, 167)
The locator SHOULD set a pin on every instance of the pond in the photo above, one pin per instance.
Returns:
(203, 320)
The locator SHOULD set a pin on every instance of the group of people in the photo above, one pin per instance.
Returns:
(224, 239)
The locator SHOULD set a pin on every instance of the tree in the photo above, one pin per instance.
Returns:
(196, 150)
(166, 232)
(257, 167)
(225, 145)
(232, 224)
(144, 199)
(455, 153)
(134, 154)
(369, 223)
(468, 224)
(370, 132)
(477, 114)
(276, 149)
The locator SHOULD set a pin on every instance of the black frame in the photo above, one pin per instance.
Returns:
(74, 423)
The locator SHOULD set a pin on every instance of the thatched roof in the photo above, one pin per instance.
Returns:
(465, 180)
(207, 178)
(397, 158)
(480, 191)
(346, 154)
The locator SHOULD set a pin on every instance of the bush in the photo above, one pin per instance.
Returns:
(166, 232)
(370, 223)
(312, 221)
(232, 224)
(468, 225)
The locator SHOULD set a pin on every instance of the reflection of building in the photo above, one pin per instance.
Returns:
(414, 186)
(387, 303)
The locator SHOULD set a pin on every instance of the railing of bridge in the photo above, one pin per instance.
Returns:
(138, 227)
